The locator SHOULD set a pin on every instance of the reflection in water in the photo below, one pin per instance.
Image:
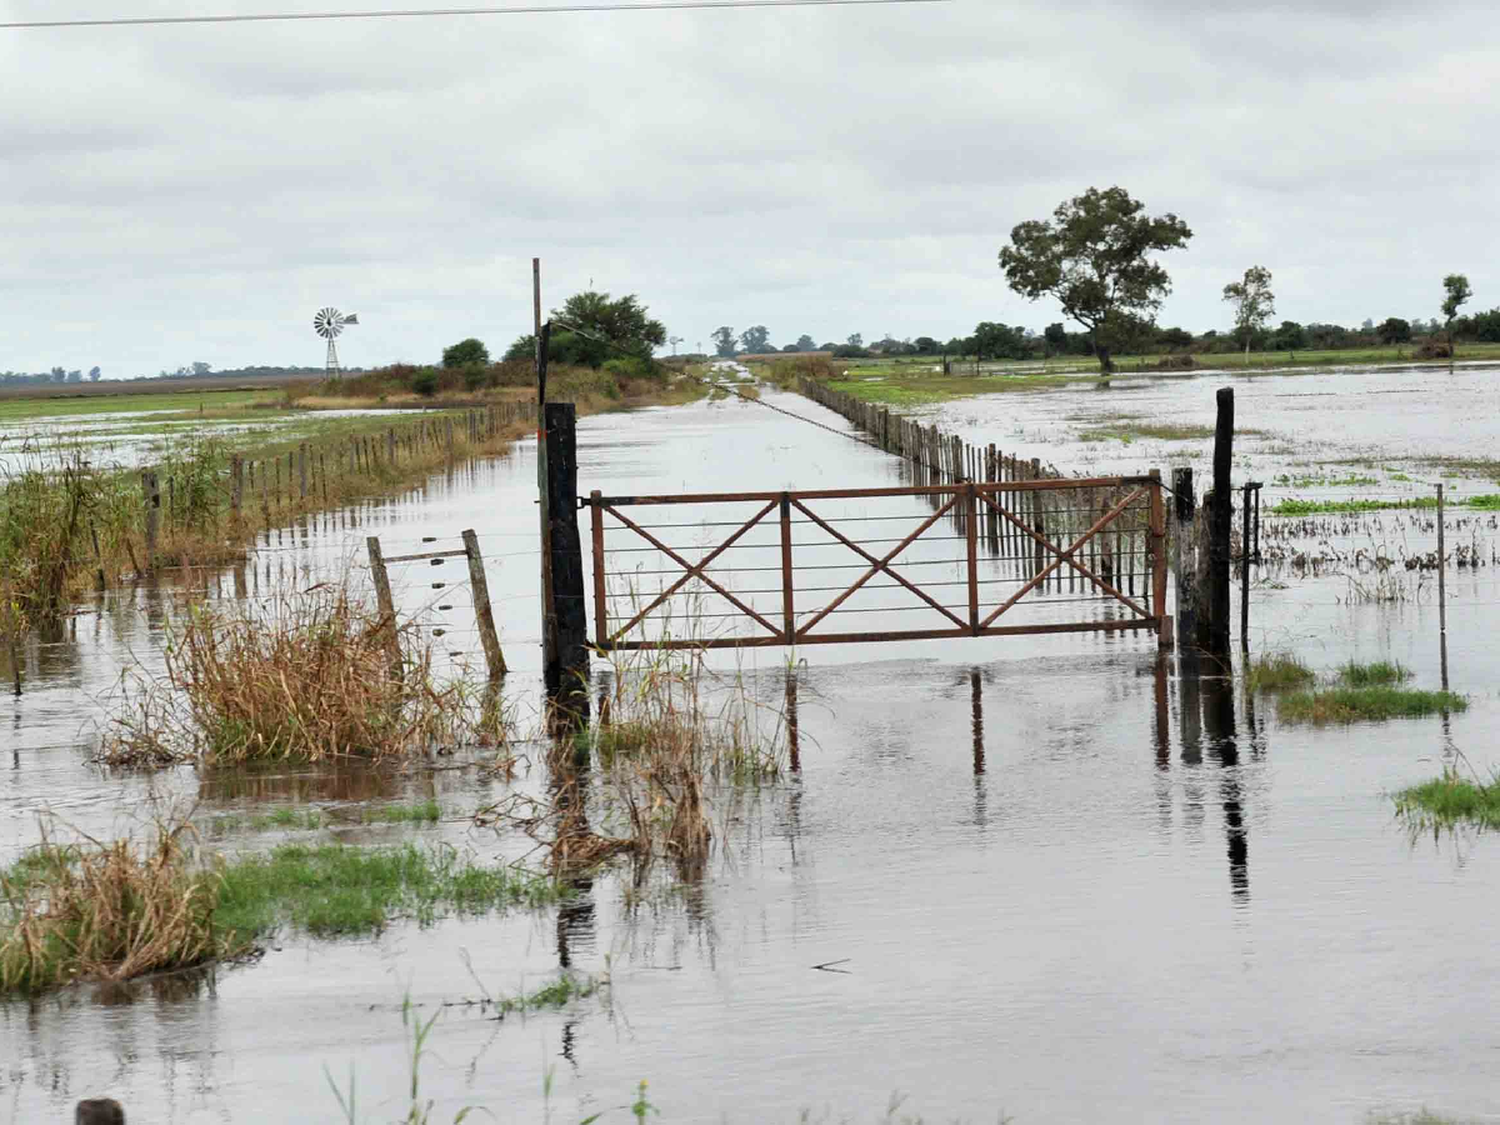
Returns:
(1219, 723)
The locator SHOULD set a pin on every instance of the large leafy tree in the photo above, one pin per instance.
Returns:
(591, 327)
(1254, 304)
(724, 342)
(1093, 258)
(1456, 293)
(756, 340)
(466, 353)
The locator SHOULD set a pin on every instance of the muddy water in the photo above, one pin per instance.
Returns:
(1051, 882)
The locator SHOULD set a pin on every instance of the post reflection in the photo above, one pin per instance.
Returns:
(1219, 724)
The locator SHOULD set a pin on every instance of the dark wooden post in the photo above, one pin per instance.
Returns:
(1220, 522)
(494, 658)
(99, 1111)
(1159, 565)
(386, 603)
(1245, 569)
(569, 663)
(302, 472)
(1184, 557)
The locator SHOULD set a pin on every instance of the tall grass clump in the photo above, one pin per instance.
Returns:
(43, 520)
(1450, 800)
(1277, 671)
(93, 911)
(314, 677)
(1382, 673)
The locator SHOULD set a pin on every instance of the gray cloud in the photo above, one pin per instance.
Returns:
(195, 193)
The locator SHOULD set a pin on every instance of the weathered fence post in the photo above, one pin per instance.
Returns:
(788, 599)
(236, 485)
(494, 658)
(98, 559)
(1184, 559)
(1245, 568)
(390, 447)
(569, 663)
(1159, 564)
(1221, 517)
(152, 489)
(302, 472)
(601, 592)
(386, 603)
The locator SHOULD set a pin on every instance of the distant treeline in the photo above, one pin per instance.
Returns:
(1001, 341)
(59, 375)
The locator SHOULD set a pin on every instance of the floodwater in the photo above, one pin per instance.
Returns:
(1042, 876)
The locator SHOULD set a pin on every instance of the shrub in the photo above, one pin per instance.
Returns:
(466, 352)
(425, 383)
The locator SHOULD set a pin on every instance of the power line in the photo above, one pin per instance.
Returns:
(534, 10)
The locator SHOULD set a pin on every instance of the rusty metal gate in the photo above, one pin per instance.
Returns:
(756, 569)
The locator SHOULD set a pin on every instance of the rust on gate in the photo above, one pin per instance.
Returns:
(1016, 554)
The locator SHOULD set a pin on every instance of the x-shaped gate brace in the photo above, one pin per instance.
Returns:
(966, 497)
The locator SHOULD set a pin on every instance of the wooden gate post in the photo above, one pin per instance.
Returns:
(788, 599)
(1159, 565)
(386, 603)
(601, 593)
(1184, 557)
(494, 658)
(568, 665)
(971, 525)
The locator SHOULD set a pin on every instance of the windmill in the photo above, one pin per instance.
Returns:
(328, 324)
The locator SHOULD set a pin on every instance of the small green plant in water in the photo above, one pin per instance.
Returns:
(1353, 704)
(1449, 801)
(1381, 673)
(1277, 672)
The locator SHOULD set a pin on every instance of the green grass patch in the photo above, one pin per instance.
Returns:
(551, 997)
(301, 818)
(1277, 672)
(334, 890)
(1381, 673)
(915, 390)
(1341, 704)
(1449, 801)
(24, 409)
(1296, 507)
(1488, 502)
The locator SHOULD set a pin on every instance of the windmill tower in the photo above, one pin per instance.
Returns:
(329, 323)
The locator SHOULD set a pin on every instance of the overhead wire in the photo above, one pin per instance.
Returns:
(418, 13)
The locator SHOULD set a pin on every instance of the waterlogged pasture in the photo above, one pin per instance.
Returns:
(1023, 877)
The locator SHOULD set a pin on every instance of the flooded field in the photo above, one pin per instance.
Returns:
(1042, 877)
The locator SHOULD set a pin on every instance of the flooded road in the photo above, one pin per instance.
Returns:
(1028, 875)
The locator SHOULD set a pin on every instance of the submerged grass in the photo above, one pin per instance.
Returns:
(293, 818)
(1449, 801)
(1380, 673)
(1342, 704)
(333, 889)
(1277, 671)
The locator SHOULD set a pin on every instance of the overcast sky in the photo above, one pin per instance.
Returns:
(197, 193)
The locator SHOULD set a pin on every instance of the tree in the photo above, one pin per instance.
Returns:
(466, 353)
(857, 340)
(755, 340)
(200, 368)
(806, 343)
(1093, 258)
(94, 374)
(1456, 293)
(724, 341)
(926, 345)
(999, 341)
(1394, 330)
(1254, 304)
(1175, 338)
(1290, 337)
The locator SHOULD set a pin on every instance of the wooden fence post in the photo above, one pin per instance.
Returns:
(152, 489)
(302, 471)
(1184, 558)
(788, 574)
(601, 592)
(236, 485)
(1221, 521)
(1159, 564)
(569, 665)
(390, 447)
(386, 603)
(494, 658)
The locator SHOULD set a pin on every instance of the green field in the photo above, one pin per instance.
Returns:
(25, 408)
(917, 380)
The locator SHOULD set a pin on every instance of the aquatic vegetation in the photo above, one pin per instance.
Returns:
(337, 890)
(1340, 704)
(1449, 801)
(315, 676)
(1294, 507)
(1379, 673)
(294, 818)
(1277, 671)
